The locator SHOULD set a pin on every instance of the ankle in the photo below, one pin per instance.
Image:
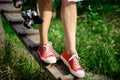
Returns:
(70, 51)
(43, 43)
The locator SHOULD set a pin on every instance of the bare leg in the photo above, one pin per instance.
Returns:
(69, 19)
(69, 56)
(45, 50)
(45, 9)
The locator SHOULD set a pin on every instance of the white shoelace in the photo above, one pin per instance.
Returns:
(76, 60)
(49, 49)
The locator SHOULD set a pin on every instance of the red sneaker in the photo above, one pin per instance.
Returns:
(47, 53)
(71, 60)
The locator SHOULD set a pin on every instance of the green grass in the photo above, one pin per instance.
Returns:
(16, 62)
(98, 44)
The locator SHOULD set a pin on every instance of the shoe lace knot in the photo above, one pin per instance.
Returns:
(75, 59)
(48, 48)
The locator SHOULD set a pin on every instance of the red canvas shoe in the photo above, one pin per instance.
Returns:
(47, 53)
(71, 60)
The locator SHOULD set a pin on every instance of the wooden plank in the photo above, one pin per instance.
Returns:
(61, 71)
(31, 45)
(5, 1)
(32, 42)
(9, 7)
(43, 65)
(57, 71)
(14, 17)
(22, 31)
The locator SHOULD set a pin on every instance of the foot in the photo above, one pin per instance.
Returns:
(71, 60)
(47, 53)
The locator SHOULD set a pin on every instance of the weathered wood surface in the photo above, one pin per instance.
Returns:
(30, 39)
(5, 1)
(14, 17)
(21, 30)
(2, 35)
(8, 7)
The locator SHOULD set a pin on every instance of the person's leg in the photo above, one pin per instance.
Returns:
(69, 16)
(45, 50)
(70, 56)
(45, 9)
